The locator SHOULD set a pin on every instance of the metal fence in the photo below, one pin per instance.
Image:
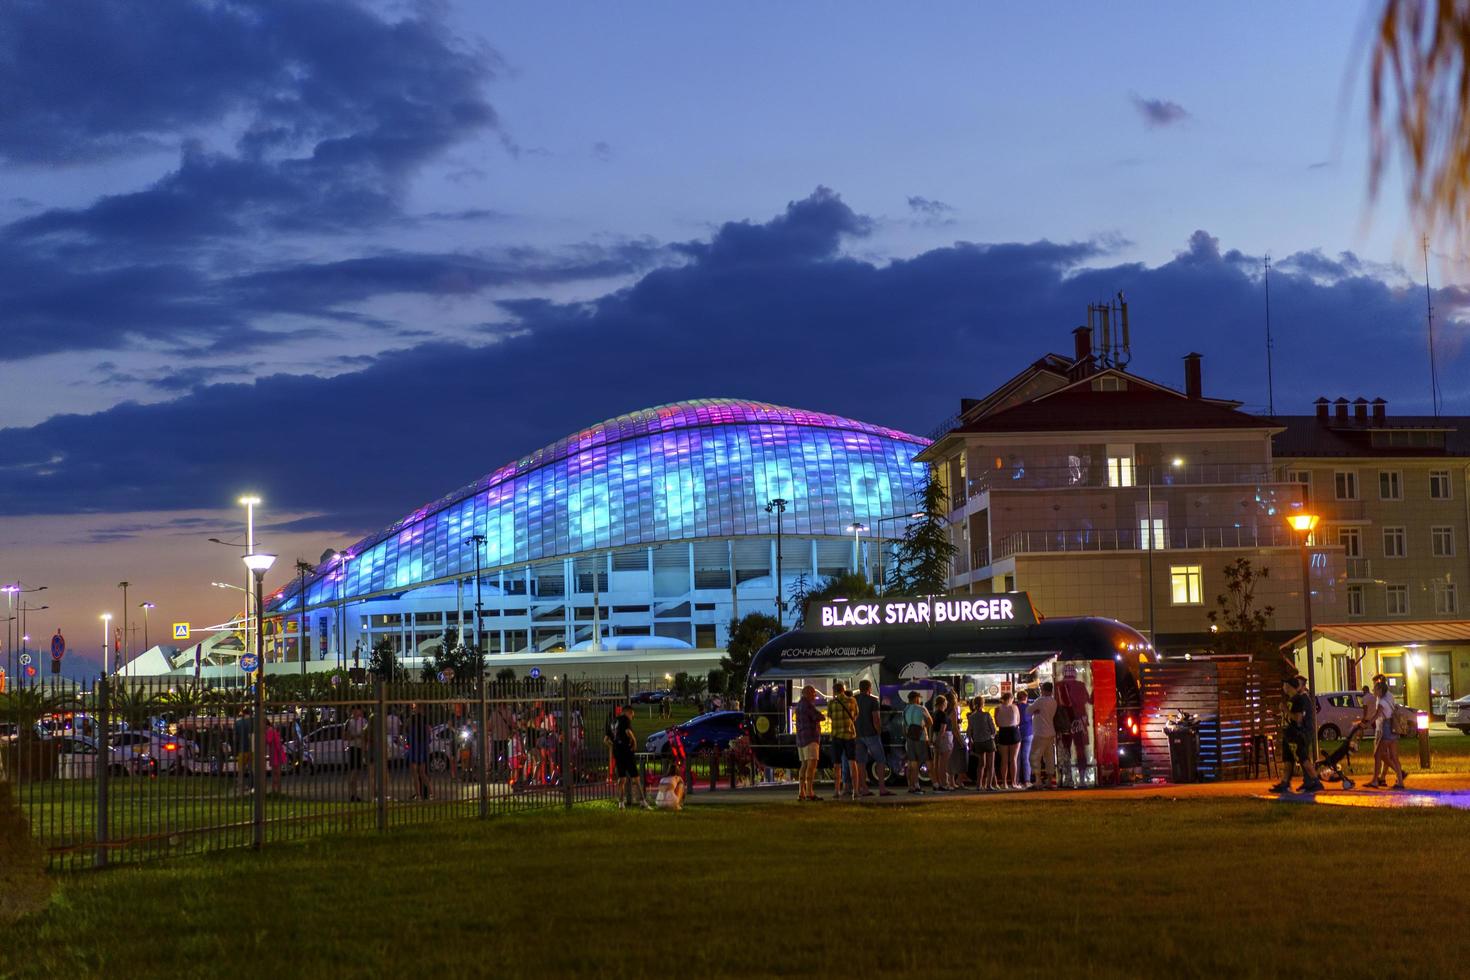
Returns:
(134, 769)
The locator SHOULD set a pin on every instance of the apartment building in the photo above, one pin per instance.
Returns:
(1394, 494)
(1101, 492)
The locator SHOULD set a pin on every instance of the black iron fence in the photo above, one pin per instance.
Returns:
(133, 769)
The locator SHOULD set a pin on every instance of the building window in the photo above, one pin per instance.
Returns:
(1186, 585)
(1304, 477)
(1397, 597)
(1393, 542)
(1351, 540)
(1442, 541)
(1446, 599)
(1159, 542)
(1439, 484)
(1355, 600)
(1120, 471)
(1345, 482)
(1390, 485)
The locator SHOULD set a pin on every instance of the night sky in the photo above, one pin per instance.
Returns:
(352, 256)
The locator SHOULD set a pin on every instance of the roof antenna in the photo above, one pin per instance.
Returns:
(1429, 323)
(1270, 344)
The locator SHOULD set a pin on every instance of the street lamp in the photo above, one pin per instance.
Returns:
(478, 542)
(777, 506)
(302, 569)
(258, 566)
(127, 645)
(145, 606)
(11, 591)
(857, 530)
(1150, 530)
(106, 634)
(1304, 524)
(249, 501)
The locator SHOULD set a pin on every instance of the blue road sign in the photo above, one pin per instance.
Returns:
(249, 662)
(535, 673)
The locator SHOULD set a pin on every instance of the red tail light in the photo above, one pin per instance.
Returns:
(170, 746)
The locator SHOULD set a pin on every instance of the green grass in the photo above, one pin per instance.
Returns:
(1448, 753)
(1138, 888)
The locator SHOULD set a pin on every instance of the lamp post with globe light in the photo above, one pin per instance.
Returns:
(258, 566)
(1304, 524)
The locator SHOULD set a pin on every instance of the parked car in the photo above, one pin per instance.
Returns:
(1337, 712)
(138, 749)
(76, 757)
(1457, 714)
(328, 746)
(716, 729)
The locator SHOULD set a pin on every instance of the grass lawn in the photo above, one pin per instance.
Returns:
(1448, 753)
(1139, 888)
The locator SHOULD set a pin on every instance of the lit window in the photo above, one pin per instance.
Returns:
(1186, 585)
(1439, 484)
(1158, 543)
(1393, 542)
(1442, 541)
(1390, 485)
(1345, 482)
(1397, 597)
(1120, 471)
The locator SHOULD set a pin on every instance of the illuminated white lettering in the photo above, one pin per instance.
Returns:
(923, 611)
(828, 619)
(1007, 609)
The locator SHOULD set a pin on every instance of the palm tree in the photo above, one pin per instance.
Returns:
(1419, 107)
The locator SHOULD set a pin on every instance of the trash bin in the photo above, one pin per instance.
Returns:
(1183, 735)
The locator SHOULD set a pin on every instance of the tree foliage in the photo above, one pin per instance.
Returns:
(1239, 627)
(747, 635)
(383, 663)
(925, 553)
(848, 585)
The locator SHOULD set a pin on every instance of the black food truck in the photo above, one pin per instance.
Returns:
(975, 645)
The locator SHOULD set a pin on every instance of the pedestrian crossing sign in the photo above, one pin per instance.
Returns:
(181, 631)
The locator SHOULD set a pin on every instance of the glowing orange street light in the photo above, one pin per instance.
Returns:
(1304, 523)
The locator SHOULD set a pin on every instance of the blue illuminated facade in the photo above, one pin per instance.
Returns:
(668, 502)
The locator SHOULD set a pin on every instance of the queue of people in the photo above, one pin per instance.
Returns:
(1025, 743)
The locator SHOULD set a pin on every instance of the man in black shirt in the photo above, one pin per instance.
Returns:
(1296, 738)
(870, 741)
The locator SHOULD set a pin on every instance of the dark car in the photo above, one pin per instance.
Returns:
(714, 730)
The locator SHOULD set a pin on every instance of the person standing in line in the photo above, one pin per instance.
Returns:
(982, 745)
(1044, 738)
(917, 723)
(355, 734)
(609, 738)
(275, 754)
(418, 752)
(1073, 695)
(1023, 756)
(502, 730)
(1368, 701)
(870, 741)
(808, 742)
(244, 735)
(939, 775)
(1007, 741)
(842, 711)
(1296, 739)
(625, 759)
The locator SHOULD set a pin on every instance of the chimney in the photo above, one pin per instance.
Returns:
(1360, 411)
(1340, 411)
(1380, 412)
(1082, 345)
(1192, 386)
(1322, 404)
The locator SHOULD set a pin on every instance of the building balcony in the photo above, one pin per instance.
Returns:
(1134, 539)
(1096, 476)
(1360, 569)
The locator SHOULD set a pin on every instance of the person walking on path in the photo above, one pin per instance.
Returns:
(1007, 741)
(275, 754)
(917, 723)
(356, 736)
(625, 759)
(418, 752)
(870, 741)
(1385, 739)
(1044, 738)
(808, 742)
(1023, 757)
(1296, 739)
(982, 745)
(244, 737)
(842, 711)
(939, 774)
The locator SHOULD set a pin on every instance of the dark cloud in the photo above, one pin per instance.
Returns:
(773, 310)
(602, 151)
(1159, 112)
(929, 208)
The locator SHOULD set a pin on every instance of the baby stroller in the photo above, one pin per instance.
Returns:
(1333, 766)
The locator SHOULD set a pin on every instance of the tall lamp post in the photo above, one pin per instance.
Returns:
(477, 541)
(1151, 531)
(106, 638)
(302, 569)
(145, 606)
(857, 528)
(777, 506)
(25, 637)
(249, 502)
(258, 566)
(11, 591)
(127, 644)
(1304, 524)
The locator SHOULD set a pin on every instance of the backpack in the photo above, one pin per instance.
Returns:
(1404, 724)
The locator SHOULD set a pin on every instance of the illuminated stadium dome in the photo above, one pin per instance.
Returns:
(646, 531)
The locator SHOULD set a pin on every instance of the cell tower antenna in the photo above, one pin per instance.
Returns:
(1270, 344)
(1429, 324)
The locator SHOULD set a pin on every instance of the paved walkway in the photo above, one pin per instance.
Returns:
(1427, 789)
